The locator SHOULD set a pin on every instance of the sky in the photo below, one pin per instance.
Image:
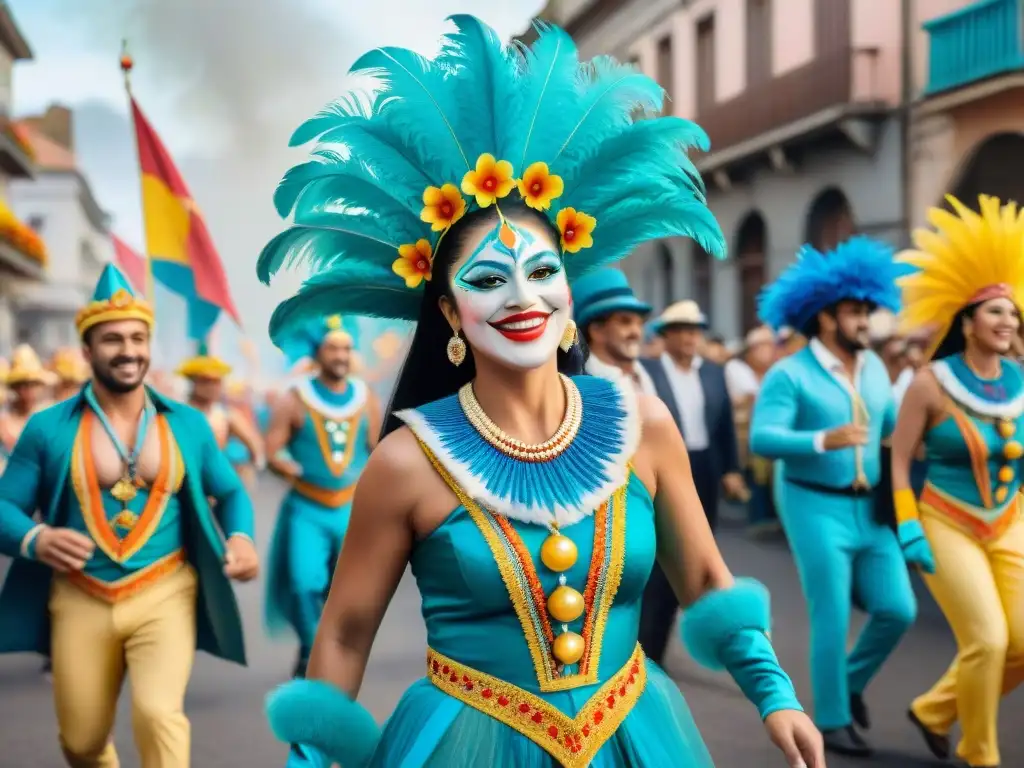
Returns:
(224, 83)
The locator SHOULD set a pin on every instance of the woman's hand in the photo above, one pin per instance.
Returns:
(795, 734)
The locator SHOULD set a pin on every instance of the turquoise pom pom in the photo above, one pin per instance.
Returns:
(717, 616)
(316, 714)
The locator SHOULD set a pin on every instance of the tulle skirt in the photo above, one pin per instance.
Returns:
(430, 729)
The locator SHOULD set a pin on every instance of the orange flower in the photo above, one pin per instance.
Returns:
(539, 186)
(414, 263)
(442, 206)
(492, 180)
(576, 228)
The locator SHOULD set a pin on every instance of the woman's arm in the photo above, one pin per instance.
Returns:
(321, 711)
(920, 402)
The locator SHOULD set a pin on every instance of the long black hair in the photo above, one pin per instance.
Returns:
(954, 342)
(427, 375)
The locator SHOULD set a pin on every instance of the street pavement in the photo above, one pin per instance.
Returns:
(225, 702)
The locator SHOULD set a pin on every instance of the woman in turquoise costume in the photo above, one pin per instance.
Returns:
(530, 502)
(965, 532)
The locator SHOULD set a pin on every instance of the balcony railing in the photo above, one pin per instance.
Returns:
(978, 41)
(845, 77)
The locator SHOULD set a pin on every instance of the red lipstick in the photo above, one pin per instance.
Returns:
(535, 324)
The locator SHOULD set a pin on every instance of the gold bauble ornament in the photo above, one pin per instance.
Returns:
(1006, 475)
(565, 604)
(568, 648)
(1013, 450)
(1006, 429)
(1001, 493)
(559, 553)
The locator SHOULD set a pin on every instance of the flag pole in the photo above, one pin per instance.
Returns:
(127, 63)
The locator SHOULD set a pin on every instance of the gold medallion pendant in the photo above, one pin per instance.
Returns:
(124, 490)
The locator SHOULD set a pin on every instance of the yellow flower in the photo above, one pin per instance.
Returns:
(576, 228)
(442, 206)
(414, 263)
(492, 180)
(539, 186)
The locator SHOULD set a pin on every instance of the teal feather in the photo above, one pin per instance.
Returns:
(418, 104)
(392, 163)
(612, 93)
(297, 179)
(486, 69)
(317, 248)
(348, 203)
(648, 149)
(347, 109)
(347, 287)
(540, 118)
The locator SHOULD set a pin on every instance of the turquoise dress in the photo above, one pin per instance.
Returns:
(493, 694)
(332, 447)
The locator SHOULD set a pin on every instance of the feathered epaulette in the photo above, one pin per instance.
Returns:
(859, 269)
(392, 172)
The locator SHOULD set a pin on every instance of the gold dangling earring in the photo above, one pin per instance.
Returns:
(456, 350)
(568, 336)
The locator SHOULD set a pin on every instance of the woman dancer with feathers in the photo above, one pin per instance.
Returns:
(531, 502)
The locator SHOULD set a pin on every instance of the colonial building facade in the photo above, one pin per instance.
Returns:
(800, 99)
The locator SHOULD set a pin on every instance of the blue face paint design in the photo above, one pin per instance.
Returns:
(481, 272)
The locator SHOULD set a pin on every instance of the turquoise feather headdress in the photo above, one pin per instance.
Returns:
(390, 174)
(859, 269)
(303, 340)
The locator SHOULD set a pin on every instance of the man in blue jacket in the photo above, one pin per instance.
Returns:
(127, 573)
(824, 411)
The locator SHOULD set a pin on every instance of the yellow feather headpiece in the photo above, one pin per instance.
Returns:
(969, 257)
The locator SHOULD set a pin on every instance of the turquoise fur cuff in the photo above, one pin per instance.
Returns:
(316, 714)
(909, 531)
(718, 616)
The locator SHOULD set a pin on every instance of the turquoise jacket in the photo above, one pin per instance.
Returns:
(37, 478)
(800, 399)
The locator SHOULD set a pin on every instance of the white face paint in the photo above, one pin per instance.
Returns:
(513, 301)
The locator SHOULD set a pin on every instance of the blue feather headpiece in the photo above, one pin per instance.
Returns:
(393, 172)
(303, 340)
(860, 269)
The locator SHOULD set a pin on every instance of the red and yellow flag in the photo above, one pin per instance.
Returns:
(181, 251)
(133, 265)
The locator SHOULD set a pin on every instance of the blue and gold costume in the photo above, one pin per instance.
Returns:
(531, 587)
(826, 503)
(154, 589)
(966, 530)
(332, 447)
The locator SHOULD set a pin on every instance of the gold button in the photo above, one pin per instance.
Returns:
(1001, 493)
(568, 648)
(565, 604)
(559, 553)
(1013, 450)
(1006, 475)
(1006, 429)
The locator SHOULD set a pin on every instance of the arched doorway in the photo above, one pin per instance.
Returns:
(829, 220)
(995, 167)
(700, 261)
(751, 252)
(666, 273)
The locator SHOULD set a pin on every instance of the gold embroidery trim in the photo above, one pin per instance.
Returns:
(323, 437)
(170, 475)
(536, 632)
(978, 450)
(962, 517)
(572, 741)
(132, 584)
(322, 496)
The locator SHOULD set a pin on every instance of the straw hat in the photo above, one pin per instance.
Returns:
(26, 368)
(882, 326)
(760, 335)
(69, 365)
(682, 313)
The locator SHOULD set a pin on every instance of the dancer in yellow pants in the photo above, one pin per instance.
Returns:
(967, 407)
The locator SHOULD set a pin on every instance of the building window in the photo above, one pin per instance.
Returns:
(831, 27)
(759, 41)
(701, 261)
(36, 223)
(751, 249)
(666, 274)
(830, 220)
(666, 70)
(705, 69)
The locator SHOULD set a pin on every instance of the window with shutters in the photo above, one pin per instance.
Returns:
(759, 42)
(705, 69)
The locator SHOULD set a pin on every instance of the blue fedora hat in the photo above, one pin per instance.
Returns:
(602, 292)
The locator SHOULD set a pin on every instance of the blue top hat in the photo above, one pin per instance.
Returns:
(602, 292)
